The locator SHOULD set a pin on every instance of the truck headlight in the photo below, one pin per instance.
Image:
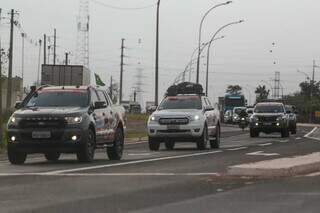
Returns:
(196, 118)
(153, 118)
(73, 120)
(13, 121)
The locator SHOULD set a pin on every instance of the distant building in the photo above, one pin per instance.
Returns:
(17, 93)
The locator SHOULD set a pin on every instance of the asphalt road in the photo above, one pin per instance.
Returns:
(182, 180)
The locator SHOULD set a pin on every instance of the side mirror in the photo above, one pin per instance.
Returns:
(288, 112)
(208, 108)
(250, 111)
(100, 105)
(18, 105)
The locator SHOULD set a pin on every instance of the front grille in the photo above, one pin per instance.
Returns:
(173, 121)
(268, 119)
(42, 122)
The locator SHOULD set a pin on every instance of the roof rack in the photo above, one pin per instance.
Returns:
(185, 88)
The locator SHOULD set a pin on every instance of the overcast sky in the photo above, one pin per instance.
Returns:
(243, 57)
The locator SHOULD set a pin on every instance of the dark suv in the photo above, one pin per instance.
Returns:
(268, 118)
(55, 120)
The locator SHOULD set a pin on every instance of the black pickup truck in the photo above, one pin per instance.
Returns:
(70, 119)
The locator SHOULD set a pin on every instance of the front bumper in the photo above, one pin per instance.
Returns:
(60, 140)
(188, 132)
(267, 127)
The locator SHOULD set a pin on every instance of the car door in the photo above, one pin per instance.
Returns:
(99, 117)
(107, 134)
(210, 117)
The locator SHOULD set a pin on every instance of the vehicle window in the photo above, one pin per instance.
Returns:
(102, 97)
(193, 102)
(269, 109)
(58, 99)
(94, 96)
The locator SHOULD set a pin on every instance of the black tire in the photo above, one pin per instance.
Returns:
(116, 151)
(86, 152)
(285, 133)
(169, 145)
(215, 144)
(203, 141)
(154, 145)
(16, 158)
(254, 133)
(294, 130)
(52, 156)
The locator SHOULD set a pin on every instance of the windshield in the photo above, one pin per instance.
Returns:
(58, 99)
(269, 109)
(191, 102)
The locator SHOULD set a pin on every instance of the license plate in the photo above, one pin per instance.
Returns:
(173, 127)
(267, 124)
(41, 134)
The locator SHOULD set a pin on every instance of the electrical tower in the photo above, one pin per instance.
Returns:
(82, 54)
(276, 90)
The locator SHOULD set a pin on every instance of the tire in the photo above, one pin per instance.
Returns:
(169, 145)
(294, 130)
(285, 133)
(116, 151)
(203, 141)
(86, 152)
(16, 158)
(215, 144)
(254, 133)
(154, 145)
(52, 156)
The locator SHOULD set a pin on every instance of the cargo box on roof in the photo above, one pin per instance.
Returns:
(65, 75)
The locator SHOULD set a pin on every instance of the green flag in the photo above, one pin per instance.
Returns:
(99, 82)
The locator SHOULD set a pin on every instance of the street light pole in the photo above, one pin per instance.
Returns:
(307, 76)
(157, 57)
(200, 32)
(209, 47)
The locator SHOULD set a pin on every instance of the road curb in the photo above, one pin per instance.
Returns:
(281, 167)
(307, 125)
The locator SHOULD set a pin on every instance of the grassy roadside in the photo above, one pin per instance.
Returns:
(3, 140)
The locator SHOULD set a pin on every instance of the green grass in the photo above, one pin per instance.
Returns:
(134, 134)
(137, 117)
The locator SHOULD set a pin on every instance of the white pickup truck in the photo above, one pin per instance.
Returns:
(184, 118)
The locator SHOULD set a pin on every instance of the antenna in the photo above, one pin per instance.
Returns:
(82, 54)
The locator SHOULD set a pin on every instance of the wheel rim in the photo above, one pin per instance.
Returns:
(206, 137)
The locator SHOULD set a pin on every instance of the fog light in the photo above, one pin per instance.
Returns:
(197, 130)
(13, 138)
(74, 138)
(152, 131)
(257, 124)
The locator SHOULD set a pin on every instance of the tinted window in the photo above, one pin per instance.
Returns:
(94, 97)
(269, 109)
(58, 99)
(192, 102)
(102, 96)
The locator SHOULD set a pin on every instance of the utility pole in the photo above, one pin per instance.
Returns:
(54, 46)
(39, 63)
(111, 89)
(9, 89)
(121, 69)
(22, 57)
(67, 58)
(134, 96)
(1, 120)
(44, 49)
(157, 57)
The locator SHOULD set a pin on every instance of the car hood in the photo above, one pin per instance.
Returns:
(177, 112)
(49, 111)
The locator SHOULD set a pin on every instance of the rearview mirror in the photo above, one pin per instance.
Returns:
(100, 105)
(18, 105)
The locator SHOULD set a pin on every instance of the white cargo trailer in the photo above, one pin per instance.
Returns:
(65, 75)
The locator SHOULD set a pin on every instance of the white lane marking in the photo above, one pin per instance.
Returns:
(284, 141)
(140, 154)
(134, 143)
(261, 153)
(265, 144)
(313, 174)
(311, 132)
(298, 138)
(132, 162)
(238, 148)
(108, 174)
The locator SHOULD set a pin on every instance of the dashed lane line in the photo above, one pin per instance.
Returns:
(131, 162)
(261, 153)
(265, 144)
(238, 148)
